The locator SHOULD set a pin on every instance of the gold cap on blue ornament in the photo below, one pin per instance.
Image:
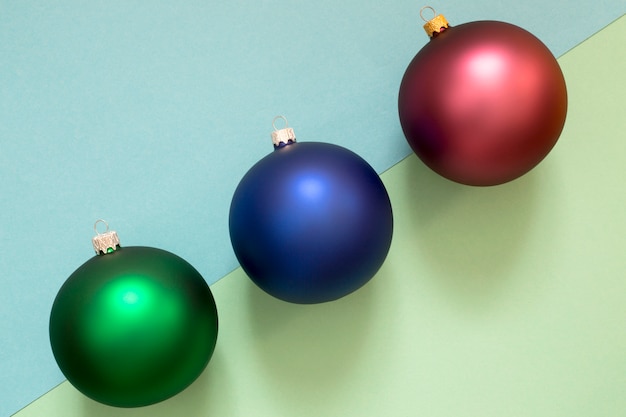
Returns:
(282, 136)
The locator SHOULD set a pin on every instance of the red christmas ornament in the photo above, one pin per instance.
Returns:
(483, 102)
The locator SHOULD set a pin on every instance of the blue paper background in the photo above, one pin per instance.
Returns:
(147, 114)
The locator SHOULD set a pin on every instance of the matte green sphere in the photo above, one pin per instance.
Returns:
(133, 327)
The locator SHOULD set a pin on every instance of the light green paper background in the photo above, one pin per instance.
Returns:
(502, 301)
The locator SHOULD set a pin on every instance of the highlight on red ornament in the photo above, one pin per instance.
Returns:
(482, 103)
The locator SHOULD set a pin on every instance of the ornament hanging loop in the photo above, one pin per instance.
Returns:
(422, 13)
(283, 118)
(106, 242)
(95, 226)
(284, 136)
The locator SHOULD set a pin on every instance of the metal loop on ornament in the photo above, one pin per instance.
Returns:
(95, 226)
(422, 13)
(280, 117)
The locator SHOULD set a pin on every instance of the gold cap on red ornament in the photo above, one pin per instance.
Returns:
(435, 25)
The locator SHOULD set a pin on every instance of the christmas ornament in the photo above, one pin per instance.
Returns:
(483, 102)
(310, 222)
(132, 326)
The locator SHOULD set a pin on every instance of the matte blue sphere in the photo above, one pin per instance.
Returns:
(311, 222)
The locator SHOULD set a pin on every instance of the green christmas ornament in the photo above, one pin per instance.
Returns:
(132, 326)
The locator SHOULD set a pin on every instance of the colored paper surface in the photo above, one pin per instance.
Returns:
(500, 301)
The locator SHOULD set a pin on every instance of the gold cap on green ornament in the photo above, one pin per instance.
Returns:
(106, 242)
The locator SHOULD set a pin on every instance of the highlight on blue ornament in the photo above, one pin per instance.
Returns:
(311, 222)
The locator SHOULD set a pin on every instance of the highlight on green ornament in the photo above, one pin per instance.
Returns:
(134, 325)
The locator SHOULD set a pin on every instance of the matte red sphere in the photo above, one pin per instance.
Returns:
(483, 103)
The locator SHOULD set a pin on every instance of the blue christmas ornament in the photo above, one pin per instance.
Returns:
(310, 222)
